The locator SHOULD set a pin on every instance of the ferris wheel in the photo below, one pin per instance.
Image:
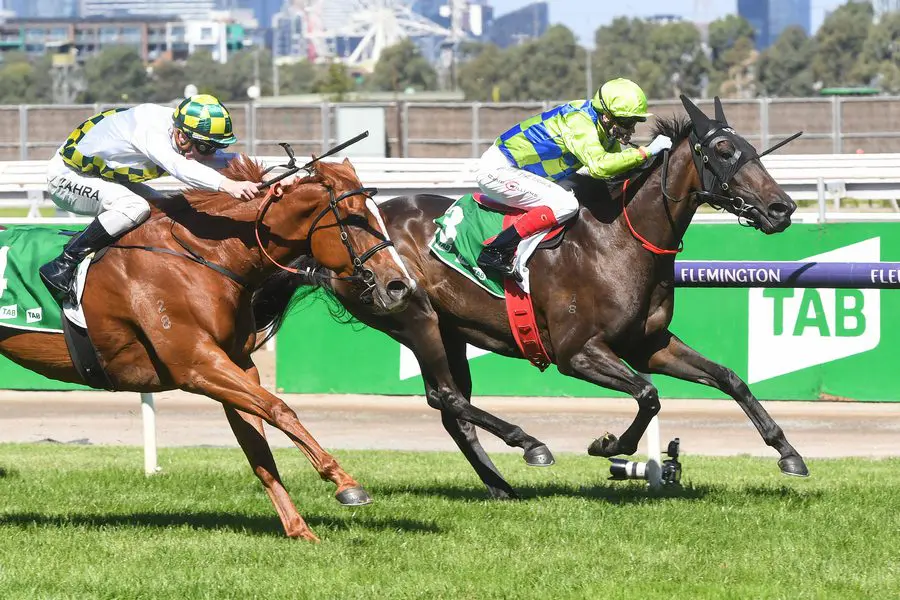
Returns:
(357, 31)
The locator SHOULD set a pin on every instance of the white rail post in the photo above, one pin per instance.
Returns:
(820, 195)
(654, 450)
(148, 417)
(654, 454)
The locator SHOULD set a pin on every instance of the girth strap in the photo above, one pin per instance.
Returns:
(192, 256)
(84, 356)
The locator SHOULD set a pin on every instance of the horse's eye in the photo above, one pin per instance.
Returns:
(725, 149)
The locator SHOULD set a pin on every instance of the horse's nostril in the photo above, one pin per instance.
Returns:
(397, 289)
(780, 209)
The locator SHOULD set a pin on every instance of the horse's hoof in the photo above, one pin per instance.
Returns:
(498, 494)
(355, 496)
(794, 466)
(305, 535)
(539, 456)
(604, 446)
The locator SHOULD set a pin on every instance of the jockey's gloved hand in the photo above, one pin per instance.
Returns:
(659, 143)
(242, 190)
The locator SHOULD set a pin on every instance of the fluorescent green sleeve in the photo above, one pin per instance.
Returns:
(580, 136)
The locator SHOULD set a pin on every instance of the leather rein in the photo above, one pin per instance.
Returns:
(274, 193)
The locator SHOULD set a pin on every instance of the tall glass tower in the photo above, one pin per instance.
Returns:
(770, 17)
(37, 9)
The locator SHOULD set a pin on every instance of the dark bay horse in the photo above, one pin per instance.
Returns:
(623, 293)
(168, 320)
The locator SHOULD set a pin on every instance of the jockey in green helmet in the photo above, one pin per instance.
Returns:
(99, 169)
(522, 166)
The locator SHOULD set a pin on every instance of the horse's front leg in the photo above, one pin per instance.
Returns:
(217, 377)
(596, 363)
(249, 432)
(668, 355)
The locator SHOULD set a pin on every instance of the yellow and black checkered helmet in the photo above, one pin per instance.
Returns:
(203, 117)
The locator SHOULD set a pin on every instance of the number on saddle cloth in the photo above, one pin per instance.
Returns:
(446, 235)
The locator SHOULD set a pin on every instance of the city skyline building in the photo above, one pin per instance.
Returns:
(770, 17)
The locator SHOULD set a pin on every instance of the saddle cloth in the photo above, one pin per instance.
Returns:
(468, 225)
(25, 302)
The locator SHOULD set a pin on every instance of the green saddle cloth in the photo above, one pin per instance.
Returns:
(25, 302)
(459, 239)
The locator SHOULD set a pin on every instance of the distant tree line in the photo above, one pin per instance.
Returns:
(665, 59)
(849, 50)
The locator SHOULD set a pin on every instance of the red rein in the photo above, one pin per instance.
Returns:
(644, 242)
(272, 195)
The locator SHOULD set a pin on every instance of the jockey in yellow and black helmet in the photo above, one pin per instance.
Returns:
(99, 169)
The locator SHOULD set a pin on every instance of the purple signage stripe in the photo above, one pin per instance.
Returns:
(747, 274)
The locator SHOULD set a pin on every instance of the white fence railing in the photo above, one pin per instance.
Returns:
(826, 179)
(814, 177)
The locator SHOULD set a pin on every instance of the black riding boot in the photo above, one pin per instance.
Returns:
(499, 254)
(58, 274)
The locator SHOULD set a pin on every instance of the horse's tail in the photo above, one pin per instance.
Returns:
(280, 293)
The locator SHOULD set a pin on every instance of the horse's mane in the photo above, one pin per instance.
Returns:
(243, 168)
(240, 168)
(675, 127)
(284, 292)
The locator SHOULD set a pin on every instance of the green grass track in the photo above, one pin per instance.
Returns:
(83, 522)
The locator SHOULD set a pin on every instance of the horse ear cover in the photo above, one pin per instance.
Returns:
(720, 112)
(701, 122)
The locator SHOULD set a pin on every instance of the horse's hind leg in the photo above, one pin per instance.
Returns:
(442, 393)
(596, 363)
(535, 455)
(670, 356)
(250, 434)
(465, 434)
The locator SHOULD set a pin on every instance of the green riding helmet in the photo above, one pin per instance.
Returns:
(621, 98)
(203, 117)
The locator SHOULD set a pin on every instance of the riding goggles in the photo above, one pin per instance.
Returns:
(204, 147)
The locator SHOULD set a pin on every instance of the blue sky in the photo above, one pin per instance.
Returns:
(584, 16)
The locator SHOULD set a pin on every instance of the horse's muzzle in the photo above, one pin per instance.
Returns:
(391, 298)
(779, 213)
(781, 209)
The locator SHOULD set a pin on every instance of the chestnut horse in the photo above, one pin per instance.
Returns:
(169, 305)
(623, 290)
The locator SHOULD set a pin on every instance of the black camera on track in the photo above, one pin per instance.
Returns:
(670, 470)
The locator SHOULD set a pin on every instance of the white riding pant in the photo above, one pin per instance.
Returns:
(118, 207)
(512, 186)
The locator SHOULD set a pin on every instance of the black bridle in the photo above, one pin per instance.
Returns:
(358, 260)
(360, 274)
(716, 172)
